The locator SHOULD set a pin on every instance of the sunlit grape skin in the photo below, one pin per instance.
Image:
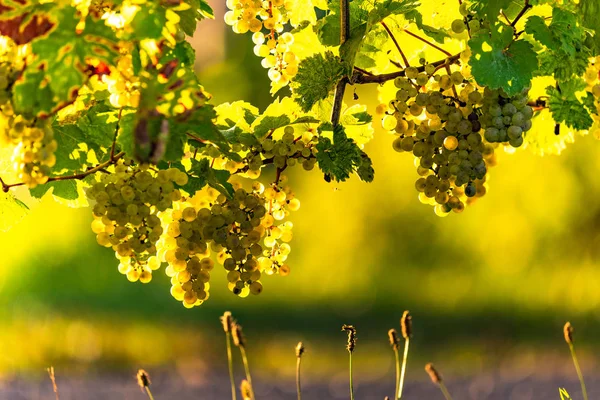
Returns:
(445, 136)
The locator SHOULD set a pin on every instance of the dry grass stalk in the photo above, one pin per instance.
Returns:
(299, 352)
(143, 381)
(351, 330)
(437, 379)
(53, 379)
(246, 390)
(240, 341)
(227, 322)
(568, 333)
(406, 325)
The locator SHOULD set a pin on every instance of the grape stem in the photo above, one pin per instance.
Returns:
(114, 143)
(396, 43)
(427, 42)
(526, 7)
(381, 78)
(99, 167)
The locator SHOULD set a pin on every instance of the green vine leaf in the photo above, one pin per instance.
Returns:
(498, 61)
(64, 52)
(340, 157)
(567, 108)
(316, 79)
(12, 210)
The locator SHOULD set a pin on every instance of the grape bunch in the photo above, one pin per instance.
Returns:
(279, 202)
(277, 56)
(32, 138)
(287, 151)
(127, 204)
(274, 47)
(33, 155)
(241, 231)
(475, 26)
(441, 129)
(505, 118)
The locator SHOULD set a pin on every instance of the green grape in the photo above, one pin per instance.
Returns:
(458, 26)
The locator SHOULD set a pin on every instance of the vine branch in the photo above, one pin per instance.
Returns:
(396, 43)
(340, 88)
(381, 78)
(526, 7)
(427, 42)
(114, 143)
(99, 167)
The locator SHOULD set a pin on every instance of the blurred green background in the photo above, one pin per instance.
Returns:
(489, 289)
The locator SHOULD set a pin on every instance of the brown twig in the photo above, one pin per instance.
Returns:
(362, 79)
(114, 143)
(396, 43)
(340, 88)
(53, 379)
(81, 175)
(428, 42)
(363, 71)
(526, 7)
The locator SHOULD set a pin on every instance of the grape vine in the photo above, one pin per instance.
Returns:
(100, 105)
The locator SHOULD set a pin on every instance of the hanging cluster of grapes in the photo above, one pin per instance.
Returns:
(273, 47)
(470, 22)
(127, 204)
(232, 228)
(505, 118)
(287, 151)
(442, 129)
(32, 138)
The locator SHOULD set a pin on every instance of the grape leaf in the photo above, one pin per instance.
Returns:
(236, 135)
(341, 157)
(149, 21)
(66, 189)
(567, 108)
(436, 34)
(125, 135)
(240, 113)
(561, 65)
(12, 210)
(199, 9)
(365, 170)
(32, 95)
(536, 26)
(64, 52)
(23, 20)
(215, 178)
(316, 78)
(270, 123)
(499, 62)
(386, 8)
(565, 53)
(489, 9)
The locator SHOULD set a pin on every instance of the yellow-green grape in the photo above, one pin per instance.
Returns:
(33, 154)
(451, 143)
(388, 122)
(458, 26)
(127, 203)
